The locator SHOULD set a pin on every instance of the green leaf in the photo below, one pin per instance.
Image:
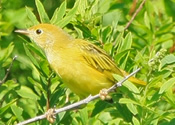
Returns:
(118, 42)
(84, 116)
(42, 13)
(108, 47)
(106, 33)
(127, 84)
(2, 73)
(169, 59)
(45, 67)
(68, 17)
(34, 48)
(99, 106)
(31, 56)
(126, 45)
(127, 101)
(59, 13)
(120, 55)
(111, 17)
(17, 111)
(146, 19)
(135, 121)
(124, 48)
(28, 93)
(7, 87)
(3, 109)
(105, 117)
(132, 108)
(31, 16)
(36, 85)
(127, 42)
(167, 85)
(5, 53)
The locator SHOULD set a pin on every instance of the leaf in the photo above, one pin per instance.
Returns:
(59, 13)
(42, 13)
(37, 85)
(84, 116)
(31, 16)
(127, 101)
(68, 17)
(132, 108)
(111, 17)
(106, 33)
(99, 106)
(85, 30)
(126, 45)
(124, 112)
(61, 115)
(28, 93)
(105, 117)
(127, 42)
(7, 87)
(108, 47)
(146, 20)
(3, 109)
(34, 48)
(118, 42)
(169, 59)
(31, 56)
(2, 73)
(45, 68)
(167, 85)
(120, 55)
(17, 111)
(5, 53)
(135, 121)
(127, 84)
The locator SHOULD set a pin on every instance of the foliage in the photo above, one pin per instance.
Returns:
(147, 43)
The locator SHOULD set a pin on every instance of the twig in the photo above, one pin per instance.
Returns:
(135, 14)
(77, 104)
(8, 71)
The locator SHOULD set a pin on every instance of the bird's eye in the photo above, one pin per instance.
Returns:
(38, 31)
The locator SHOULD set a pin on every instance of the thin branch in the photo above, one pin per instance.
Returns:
(135, 14)
(77, 104)
(8, 71)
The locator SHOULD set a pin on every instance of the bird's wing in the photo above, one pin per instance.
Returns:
(97, 58)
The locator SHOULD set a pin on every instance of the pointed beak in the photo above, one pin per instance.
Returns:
(25, 32)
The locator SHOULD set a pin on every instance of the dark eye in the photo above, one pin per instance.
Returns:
(38, 31)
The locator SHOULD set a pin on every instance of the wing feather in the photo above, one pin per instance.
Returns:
(97, 58)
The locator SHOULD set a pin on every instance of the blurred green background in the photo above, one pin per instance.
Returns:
(149, 42)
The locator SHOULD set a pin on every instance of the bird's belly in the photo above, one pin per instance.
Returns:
(84, 80)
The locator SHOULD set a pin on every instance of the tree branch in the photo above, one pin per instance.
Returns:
(8, 71)
(77, 104)
(135, 14)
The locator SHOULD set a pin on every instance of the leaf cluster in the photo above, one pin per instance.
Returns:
(32, 86)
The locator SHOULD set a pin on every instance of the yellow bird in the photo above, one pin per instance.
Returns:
(84, 67)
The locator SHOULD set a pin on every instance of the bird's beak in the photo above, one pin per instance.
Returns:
(25, 32)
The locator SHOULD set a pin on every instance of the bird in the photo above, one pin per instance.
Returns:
(83, 67)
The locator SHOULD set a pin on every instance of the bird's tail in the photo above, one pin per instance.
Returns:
(133, 79)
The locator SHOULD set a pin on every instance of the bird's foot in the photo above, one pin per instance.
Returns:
(50, 115)
(104, 94)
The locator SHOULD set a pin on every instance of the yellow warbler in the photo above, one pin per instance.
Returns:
(84, 68)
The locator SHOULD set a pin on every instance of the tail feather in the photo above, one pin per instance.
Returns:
(133, 79)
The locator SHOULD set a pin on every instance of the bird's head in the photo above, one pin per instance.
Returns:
(45, 35)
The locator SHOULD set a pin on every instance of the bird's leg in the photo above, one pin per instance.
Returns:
(50, 115)
(104, 94)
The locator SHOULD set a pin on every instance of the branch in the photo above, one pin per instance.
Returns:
(8, 71)
(77, 104)
(135, 14)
